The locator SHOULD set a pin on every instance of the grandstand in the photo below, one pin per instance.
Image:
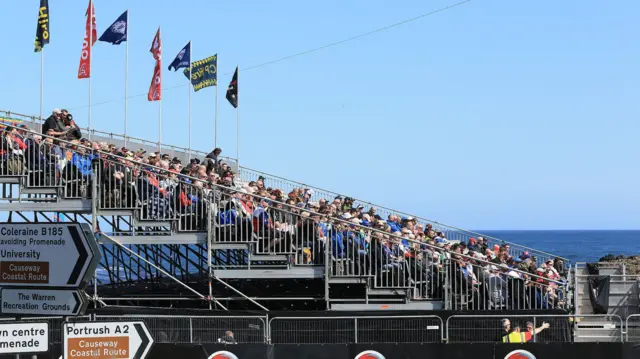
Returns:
(182, 229)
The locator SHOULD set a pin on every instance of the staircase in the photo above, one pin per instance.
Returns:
(624, 300)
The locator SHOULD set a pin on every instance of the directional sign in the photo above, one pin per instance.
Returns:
(106, 340)
(44, 302)
(24, 338)
(47, 254)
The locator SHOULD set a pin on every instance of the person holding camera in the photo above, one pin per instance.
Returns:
(72, 130)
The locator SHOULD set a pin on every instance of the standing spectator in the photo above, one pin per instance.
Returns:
(227, 338)
(506, 328)
(72, 130)
(529, 335)
(212, 159)
(54, 125)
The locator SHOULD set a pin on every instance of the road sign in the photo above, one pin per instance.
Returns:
(42, 301)
(47, 254)
(106, 340)
(24, 338)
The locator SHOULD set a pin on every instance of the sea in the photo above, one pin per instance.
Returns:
(575, 245)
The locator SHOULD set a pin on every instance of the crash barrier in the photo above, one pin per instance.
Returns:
(384, 351)
(358, 329)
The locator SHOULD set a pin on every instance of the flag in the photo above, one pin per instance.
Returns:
(42, 29)
(232, 90)
(204, 73)
(117, 32)
(84, 70)
(183, 59)
(155, 89)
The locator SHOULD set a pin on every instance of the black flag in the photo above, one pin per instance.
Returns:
(232, 90)
(42, 31)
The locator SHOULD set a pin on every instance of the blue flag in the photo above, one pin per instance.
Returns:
(183, 59)
(117, 32)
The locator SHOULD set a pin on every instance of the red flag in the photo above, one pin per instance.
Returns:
(84, 70)
(155, 89)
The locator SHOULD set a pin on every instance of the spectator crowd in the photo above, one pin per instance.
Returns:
(399, 251)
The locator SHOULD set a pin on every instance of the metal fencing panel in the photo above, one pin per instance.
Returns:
(55, 324)
(251, 330)
(198, 329)
(632, 326)
(312, 330)
(347, 330)
(400, 329)
(163, 329)
(561, 328)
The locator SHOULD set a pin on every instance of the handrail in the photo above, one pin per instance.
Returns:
(396, 212)
(334, 194)
(122, 137)
(285, 205)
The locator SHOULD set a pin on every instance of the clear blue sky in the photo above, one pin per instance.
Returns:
(496, 114)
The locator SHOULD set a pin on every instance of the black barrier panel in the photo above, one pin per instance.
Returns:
(420, 351)
(239, 351)
(631, 351)
(380, 351)
(311, 351)
(559, 351)
(177, 351)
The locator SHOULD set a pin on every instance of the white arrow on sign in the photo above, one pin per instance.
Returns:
(106, 340)
(42, 301)
(47, 254)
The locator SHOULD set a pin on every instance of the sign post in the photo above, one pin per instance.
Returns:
(44, 302)
(17, 338)
(106, 340)
(47, 254)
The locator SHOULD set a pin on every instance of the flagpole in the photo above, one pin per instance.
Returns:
(126, 81)
(41, 82)
(215, 140)
(238, 124)
(90, 48)
(160, 124)
(190, 88)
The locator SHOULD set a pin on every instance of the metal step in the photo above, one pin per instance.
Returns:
(394, 292)
(151, 223)
(267, 258)
(41, 190)
(223, 246)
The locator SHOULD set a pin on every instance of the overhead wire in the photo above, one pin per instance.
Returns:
(301, 53)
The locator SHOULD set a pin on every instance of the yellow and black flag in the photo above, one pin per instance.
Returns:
(42, 31)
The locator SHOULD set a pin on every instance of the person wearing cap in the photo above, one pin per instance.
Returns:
(54, 124)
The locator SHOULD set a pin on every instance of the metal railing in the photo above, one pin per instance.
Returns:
(361, 329)
(368, 329)
(247, 175)
(55, 324)
(35, 123)
(632, 325)
(450, 232)
(562, 328)
(198, 329)
(276, 234)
